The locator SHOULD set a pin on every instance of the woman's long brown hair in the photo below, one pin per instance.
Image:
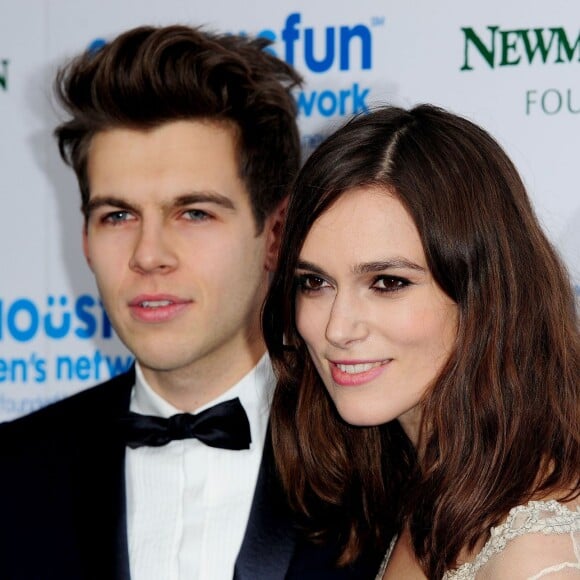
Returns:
(501, 423)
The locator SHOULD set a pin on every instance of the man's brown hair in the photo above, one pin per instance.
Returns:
(148, 76)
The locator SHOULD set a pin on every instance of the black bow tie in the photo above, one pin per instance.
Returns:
(224, 425)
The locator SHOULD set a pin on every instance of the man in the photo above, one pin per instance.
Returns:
(184, 143)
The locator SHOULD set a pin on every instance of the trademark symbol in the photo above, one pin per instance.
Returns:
(378, 21)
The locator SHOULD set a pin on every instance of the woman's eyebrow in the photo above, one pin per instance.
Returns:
(381, 265)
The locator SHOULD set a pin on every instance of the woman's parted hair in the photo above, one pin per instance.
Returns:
(501, 423)
(148, 76)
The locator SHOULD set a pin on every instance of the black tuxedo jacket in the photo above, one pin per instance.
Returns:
(62, 494)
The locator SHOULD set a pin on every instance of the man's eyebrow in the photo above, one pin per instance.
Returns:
(111, 200)
(180, 201)
(204, 197)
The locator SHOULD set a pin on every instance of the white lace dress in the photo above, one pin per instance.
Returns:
(538, 540)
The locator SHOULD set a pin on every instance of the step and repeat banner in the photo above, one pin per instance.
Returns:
(511, 67)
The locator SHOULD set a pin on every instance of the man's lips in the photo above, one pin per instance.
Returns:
(352, 373)
(157, 307)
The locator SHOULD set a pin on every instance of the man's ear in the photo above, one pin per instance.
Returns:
(86, 245)
(274, 226)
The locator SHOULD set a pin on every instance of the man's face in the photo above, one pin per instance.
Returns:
(172, 242)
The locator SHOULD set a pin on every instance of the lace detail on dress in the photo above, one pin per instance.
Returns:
(546, 517)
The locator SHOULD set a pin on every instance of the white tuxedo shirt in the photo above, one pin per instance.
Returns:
(187, 503)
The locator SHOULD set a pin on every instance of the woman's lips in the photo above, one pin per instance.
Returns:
(353, 373)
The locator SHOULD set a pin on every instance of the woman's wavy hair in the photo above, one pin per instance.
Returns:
(148, 76)
(501, 423)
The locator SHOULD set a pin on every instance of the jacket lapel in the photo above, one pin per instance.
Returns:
(269, 541)
(100, 503)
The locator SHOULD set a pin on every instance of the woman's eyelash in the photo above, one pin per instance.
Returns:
(389, 283)
(310, 282)
(383, 284)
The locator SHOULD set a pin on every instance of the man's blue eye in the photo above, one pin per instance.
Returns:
(197, 214)
(116, 216)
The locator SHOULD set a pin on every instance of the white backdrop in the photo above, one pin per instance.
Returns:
(510, 66)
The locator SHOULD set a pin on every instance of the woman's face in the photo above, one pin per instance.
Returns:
(376, 324)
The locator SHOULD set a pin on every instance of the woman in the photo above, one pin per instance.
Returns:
(425, 337)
